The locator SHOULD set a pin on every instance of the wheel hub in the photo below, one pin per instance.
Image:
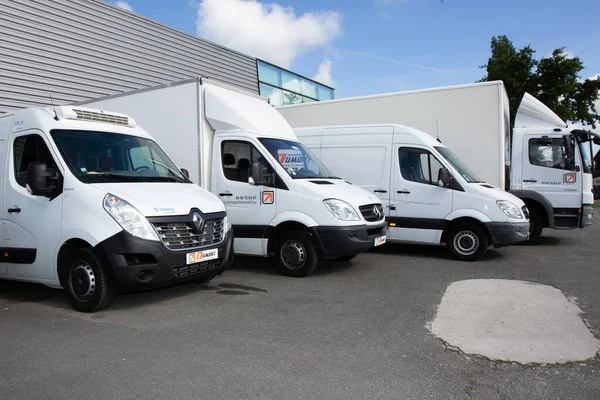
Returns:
(293, 254)
(82, 281)
(466, 243)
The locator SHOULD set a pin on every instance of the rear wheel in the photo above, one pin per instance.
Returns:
(537, 225)
(87, 282)
(467, 242)
(296, 255)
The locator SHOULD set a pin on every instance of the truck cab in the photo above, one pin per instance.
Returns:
(552, 166)
(92, 204)
(430, 195)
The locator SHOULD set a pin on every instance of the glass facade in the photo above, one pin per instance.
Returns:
(284, 87)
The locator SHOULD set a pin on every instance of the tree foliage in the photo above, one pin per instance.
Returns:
(554, 80)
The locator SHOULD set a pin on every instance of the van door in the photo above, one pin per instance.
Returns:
(32, 227)
(250, 207)
(546, 170)
(420, 205)
(3, 269)
(361, 156)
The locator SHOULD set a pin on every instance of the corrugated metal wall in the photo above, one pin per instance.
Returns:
(77, 50)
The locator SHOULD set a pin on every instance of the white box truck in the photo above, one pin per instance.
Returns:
(92, 204)
(430, 196)
(280, 199)
(549, 164)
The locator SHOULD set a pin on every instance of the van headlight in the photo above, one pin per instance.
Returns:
(342, 210)
(510, 209)
(227, 224)
(129, 218)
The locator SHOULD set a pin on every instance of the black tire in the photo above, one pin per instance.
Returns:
(346, 258)
(295, 254)
(88, 285)
(467, 242)
(537, 226)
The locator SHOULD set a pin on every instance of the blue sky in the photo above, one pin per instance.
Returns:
(378, 46)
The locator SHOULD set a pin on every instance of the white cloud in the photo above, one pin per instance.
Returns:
(267, 31)
(124, 5)
(324, 74)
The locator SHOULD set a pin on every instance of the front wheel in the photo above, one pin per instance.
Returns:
(87, 282)
(296, 255)
(467, 242)
(537, 225)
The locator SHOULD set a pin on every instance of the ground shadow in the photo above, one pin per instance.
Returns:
(265, 266)
(427, 251)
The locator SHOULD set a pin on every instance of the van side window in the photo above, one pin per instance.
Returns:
(237, 158)
(549, 153)
(29, 149)
(417, 165)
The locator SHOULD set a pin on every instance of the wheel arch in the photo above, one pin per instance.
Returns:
(464, 220)
(536, 201)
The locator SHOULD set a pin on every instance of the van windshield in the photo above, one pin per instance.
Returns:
(98, 157)
(458, 165)
(297, 160)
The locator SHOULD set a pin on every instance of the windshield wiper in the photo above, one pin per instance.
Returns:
(118, 176)
(171, 170)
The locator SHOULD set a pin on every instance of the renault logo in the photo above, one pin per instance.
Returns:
(376, 212)
(197, 222)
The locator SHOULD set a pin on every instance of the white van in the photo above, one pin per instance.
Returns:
(282, 202)
(431, 197)
(92, 204)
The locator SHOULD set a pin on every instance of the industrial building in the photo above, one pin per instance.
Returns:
(77, 50)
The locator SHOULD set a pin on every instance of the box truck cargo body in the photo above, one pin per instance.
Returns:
(280, 199)
(546, 164)
(92, 204)
(430, 196)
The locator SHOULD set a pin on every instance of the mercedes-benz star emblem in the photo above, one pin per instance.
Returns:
(197, 222)
(376, 212)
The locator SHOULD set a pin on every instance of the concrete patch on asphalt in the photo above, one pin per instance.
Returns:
(514, 321)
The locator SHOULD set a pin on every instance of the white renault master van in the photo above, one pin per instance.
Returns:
(430, 196)
(92, 204)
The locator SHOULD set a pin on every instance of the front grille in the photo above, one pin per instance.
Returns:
(188, 270)
(368, 212)
(181, 235)
(525, 212)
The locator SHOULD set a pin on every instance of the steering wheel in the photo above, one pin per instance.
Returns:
(141, 167)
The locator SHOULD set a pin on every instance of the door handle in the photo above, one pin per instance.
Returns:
(403, 192)
(14, 210)
(391, 207)
(529, 180)
(225, 194)
(380, 191)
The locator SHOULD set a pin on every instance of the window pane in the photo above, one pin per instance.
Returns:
(27, 150)
(414, 165)
(309, 88)
(291, 98)
(269, 74)
(550, 155)
(325, 93)
(435, 169)
(291, 82)
(307, 100)
(275, 95)
(237, 159)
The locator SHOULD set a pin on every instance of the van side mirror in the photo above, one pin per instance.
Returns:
(257, 173)
(185, 173)
(569, 156)
(444, 178)
(39, 179)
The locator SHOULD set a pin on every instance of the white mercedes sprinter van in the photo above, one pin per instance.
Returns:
(430, 195)
(92, 204)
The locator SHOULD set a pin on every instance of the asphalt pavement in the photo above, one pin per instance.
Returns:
(355, 330)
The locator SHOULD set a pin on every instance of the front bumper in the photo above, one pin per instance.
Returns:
(340, 241)
(508, 233)
(143, 264)
(587, 215)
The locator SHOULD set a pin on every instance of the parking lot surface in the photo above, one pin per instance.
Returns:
(354, 330)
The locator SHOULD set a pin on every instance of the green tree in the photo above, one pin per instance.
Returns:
(554, 80)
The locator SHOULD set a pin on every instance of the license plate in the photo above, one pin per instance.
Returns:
(200, 256)
(380, 240)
